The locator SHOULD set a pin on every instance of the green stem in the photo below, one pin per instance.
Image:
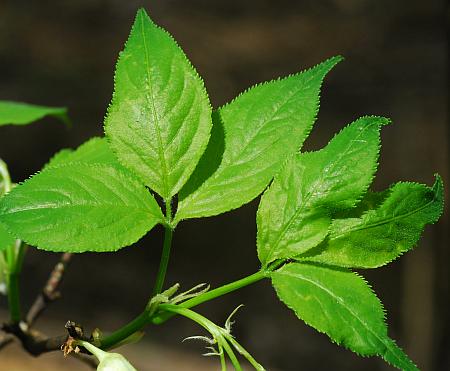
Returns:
(165, 255)
(14, 298)
(22, 248)
(162, 316)
(232, 356)
(4, 174)
(209, 295)
(208, 325)
(168, 204)
(126, 331)
(15, 255)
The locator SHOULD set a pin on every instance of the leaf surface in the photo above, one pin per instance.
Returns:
(94, 151)
(295, 212)
(15, 113)
(382, 234)
(6, 240)
(253, 136)
(159, 120)
(340, 304)
(80, 208)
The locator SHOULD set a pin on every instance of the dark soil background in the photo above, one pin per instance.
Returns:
(63, 53)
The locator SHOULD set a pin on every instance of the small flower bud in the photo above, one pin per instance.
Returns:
(108, 361)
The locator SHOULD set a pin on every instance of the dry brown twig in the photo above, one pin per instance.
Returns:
(35, 342)
(50, 292)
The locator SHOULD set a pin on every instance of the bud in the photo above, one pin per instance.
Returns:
(108, 361)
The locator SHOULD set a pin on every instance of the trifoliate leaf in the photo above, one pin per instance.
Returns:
(78, 208)
(382, 234)
(15, 113)
(256, 133)
(159, 119)
(94, 151)
(340, 304)
(294, 213)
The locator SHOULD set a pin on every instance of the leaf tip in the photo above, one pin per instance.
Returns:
(141, 12)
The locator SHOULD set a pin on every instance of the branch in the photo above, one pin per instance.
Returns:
(36, 343)
(50, 291)
(33, 341)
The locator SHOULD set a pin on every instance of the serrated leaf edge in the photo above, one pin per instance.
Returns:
(382, 121)
(335, 59)
(386, 342)
(159, 219)
(142, 13)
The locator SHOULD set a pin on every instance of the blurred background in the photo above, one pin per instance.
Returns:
(62, 53)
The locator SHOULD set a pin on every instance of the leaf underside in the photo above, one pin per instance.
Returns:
(340, 304)
(295, 212)
(252, 137)
(15, 113)
(79, 208)
(159, 120)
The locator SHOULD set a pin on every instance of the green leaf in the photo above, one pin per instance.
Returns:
(6, 239)
(382, 234)
(94, 151)
(79, 208)
(340, 304)
(15, 113)
(295, 212)
(257, 132)
(159, 120)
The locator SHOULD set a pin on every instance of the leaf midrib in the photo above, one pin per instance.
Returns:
(225, 163)
(66, 205)
(341, 301)
(383, 222)
(308, 196)
(160, 149)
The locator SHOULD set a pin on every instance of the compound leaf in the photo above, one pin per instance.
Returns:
(294, 213)
(94, 151)
(262, 127)
(340, 304)
(15, 113)
(382, 234)
(79, 208)
(159, 120)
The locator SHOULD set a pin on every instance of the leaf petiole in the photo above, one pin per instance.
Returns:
(165, 255)
(209, 295)
(161, 315)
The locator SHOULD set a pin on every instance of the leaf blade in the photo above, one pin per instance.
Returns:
(15, 113)
(80, 208)
(6, 239)
(261, 128)
(382, 234)
(295, 211)
(340, 304)
(159, 119)
(94, 151)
